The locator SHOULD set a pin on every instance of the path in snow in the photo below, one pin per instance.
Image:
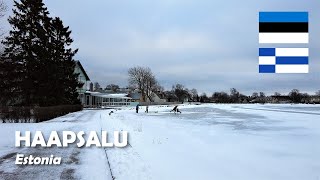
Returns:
(124, 162)
(76, 162)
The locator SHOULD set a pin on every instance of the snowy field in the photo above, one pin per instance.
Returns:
(223, 142)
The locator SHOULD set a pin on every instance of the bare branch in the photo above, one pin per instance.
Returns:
(3, 9)
(144, 80)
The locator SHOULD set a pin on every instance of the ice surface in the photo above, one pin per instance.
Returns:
(211, 141)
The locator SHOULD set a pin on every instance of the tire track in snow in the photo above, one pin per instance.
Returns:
(124, 162)
(105, 150)
(70, 156)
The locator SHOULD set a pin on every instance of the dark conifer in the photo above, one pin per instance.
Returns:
(63, 57)
(25, 51)
(37, 66)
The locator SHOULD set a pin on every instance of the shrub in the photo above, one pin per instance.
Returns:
(35, 114)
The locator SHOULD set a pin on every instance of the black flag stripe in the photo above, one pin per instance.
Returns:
(280, 27)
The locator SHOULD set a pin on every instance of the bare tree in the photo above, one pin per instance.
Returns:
(151, 85)
(221, 97)
(262, 94)
(180, 91)
(255, 95)
(136, 78)
(194, 94)
(295, 96)
(112, 87)
(144, 80)
(159, 88)
(204, 98)
(234, 95)
(96, 86)
(277, 94)
(3, 9)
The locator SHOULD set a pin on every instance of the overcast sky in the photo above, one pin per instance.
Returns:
(210, 45)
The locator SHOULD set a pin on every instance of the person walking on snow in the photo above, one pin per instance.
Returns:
(175, 109)
(137, 108)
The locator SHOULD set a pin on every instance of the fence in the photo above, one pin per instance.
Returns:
(35, 114)
(158, 103)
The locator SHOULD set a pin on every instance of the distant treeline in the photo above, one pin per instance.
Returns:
(181, 94)
(143, 80)
(295, 96)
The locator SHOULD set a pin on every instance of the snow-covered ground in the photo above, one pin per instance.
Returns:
(207, 142)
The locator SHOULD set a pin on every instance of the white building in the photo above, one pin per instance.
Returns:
(98, 99)
(82, 78)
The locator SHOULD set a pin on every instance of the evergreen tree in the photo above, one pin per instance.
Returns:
(38, 65)
(25, 51)
(63, 56)
(9, 80)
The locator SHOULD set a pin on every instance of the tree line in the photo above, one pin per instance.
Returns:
(37, 64)
(144, 80)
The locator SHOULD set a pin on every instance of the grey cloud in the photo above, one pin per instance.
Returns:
(203, 44)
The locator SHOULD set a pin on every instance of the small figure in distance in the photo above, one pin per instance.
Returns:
(137, 108)
(147, 109)
(175, 109)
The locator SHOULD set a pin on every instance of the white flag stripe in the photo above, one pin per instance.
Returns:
(292, 52)
(283, 38)
(292, 68)
(267, 60)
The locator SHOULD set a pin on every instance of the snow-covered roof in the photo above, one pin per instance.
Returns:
(92, 92)
(105, 95)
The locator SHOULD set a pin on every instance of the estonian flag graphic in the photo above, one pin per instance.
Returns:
(283, 27)
(283, 60)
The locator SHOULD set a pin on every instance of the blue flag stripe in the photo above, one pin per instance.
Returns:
(267, 68)
(283, 17)
(267, 51)
(292, 60)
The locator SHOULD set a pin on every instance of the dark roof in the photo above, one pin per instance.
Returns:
(82, 69)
